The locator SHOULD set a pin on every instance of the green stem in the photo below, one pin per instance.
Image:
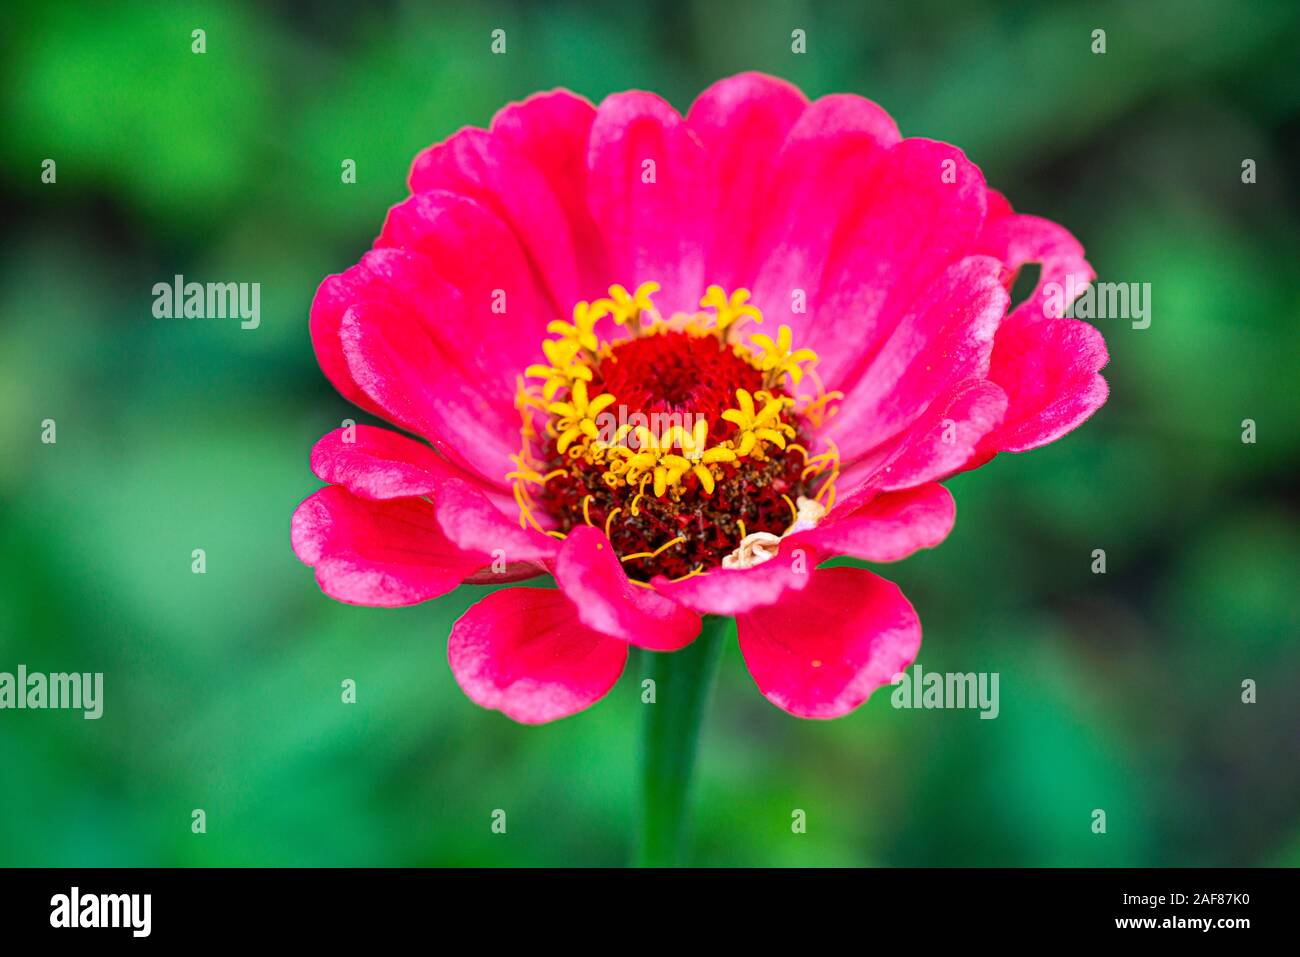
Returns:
(669, 738)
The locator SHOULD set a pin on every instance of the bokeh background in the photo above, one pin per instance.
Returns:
(1119, 691)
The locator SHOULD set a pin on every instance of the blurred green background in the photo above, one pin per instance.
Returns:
(1118, 691)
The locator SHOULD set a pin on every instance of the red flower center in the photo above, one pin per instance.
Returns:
(684, 445)
(677, 372)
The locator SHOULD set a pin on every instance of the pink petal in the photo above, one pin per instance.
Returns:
(653, 230)
(521, 651)
(551, 130)
(741, 122)
(945, 337)
(888, 527)
(821, 652)
(1018, 240)
(942, 441)
(380, 464)
(863, 240)
(388, 276)
(377, 553)
(830, 120)
(399, 365)
(731, 591)
(826, 167)
(475, 523)
(494, 327)
(413, 309)
(1049, 373)
(1047, 365)
(590, 574)
(912, 226)
(485, 167)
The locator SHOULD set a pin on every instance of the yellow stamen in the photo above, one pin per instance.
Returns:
(581, 332)
(779, 359)
(818, 409)
(563, 370)
(706, 478)
(828, 489)
(729, 310)
(753, 424)
(657, 552)
(697, 570)
(626, 308)
(525, 512)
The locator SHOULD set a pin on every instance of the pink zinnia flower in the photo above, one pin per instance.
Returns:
(676, 363)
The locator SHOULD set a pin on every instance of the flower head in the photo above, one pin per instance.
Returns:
(651, 450)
